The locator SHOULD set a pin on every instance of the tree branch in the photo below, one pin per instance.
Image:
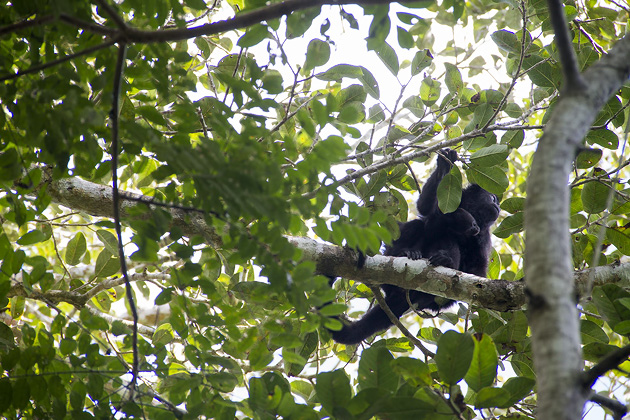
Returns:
(241, 20)
(619, 410)
(96, 200)
(611, 361)
(573, 80)
(118, 75)
(383, 304)
(548, 265)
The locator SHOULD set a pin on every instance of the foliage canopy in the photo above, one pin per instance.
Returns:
(252, 129)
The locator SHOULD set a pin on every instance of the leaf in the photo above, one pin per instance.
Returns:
(429, 91)
(405, 40)
(513, 204)
(309, 345)
(109, 240)
(595, 196)
(338, 72)
(510, 225)
(333, 389)
(541, 72)
(272, 81)
(6, 394)
(106, 264)
(449, 191)
(163, 334)
(603, 137)
(77, 246)
(587, 158)
(254, 35)
(454, 81)
(299, 21)
(517, 388)
(491, 397)
(491, 179)
(483, 368)
(375, 370)
(421, 60)
(492, 155)
(415, 105)
(454, 355)
(606, 299)
(32, 237)
(620, 238)
(507, 41)
(388, 56)
(317, 54)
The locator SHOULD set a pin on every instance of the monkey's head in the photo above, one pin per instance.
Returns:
(481, 204)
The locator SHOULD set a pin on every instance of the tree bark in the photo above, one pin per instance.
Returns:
(548, 266)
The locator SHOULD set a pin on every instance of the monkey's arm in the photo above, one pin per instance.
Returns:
(427, 202)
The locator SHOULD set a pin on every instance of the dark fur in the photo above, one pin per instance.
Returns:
(458, 240)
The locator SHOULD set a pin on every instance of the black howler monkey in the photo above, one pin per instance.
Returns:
(458, 240)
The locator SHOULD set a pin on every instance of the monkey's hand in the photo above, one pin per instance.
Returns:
(442, 258)
(412, 254)
(446, 159)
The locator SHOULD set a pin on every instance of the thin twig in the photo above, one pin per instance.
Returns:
(619, 410)
(611, 361)
(573, 80)
(383, 304)
(120, 65)
(52, 63)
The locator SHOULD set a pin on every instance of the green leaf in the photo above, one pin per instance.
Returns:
(606, 299)
(587, 158)
(6, 394)
(603, 137)
(620, 238)
(541, 72)
(106, 264)
(492, 155)
(163, 334)
(415, 105)
(483, 368)
(491, 397)
(595, 196)
(77, 246)
(491, 179)
(272, 81)
(405, 40)
(309, 345)
(317, 54)
(299, 21)
(333, 389)
(510, 225)
(507, 41)
(517, 388)
(513, 204)
(454, 355)
(375, 370)
(429, 91)
(388, 56)
(421, 61)
(109, 240)
(254, 35)
(454, 81)
(32, 237)
(449, 192)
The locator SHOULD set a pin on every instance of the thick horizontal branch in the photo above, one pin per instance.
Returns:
(501, 295)
(96, 200)
(240, 21)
